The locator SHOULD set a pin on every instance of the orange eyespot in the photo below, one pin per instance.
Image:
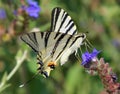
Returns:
(52, 65)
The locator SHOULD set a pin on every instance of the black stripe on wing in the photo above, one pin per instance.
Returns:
(55, 14)
(30, 39)
(57, 44)
(77, 37)
(46, 38)
(62, 22)
(67, 42)
(42, 34)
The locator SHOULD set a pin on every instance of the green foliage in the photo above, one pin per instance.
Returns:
(100, 18)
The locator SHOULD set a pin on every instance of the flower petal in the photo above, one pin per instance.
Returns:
(32, 9)
(2, 13)
(88, 57)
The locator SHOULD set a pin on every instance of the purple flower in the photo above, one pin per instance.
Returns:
(88, 57)
(2, 13)
(32, 9)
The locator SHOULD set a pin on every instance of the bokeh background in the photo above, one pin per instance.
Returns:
(101, 18)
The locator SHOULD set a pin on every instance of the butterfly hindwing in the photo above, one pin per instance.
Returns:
(62, 22)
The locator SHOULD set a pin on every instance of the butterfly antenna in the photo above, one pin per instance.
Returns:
(22, 85)
(78, 57)
(81, 50)
(86, 46)
(89, 44)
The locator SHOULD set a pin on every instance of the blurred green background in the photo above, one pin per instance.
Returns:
(101, 18)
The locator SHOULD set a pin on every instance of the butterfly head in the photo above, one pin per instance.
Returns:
(83, 35)
(80, 39)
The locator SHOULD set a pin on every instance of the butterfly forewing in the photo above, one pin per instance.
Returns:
(62, 22)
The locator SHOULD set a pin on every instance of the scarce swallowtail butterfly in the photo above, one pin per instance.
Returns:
(56, 44)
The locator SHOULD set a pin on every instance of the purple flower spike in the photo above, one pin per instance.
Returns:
(88, 57)
(33, 9)
(2, 13)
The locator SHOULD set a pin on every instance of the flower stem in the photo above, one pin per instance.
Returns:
(5, 79)
(19, 62)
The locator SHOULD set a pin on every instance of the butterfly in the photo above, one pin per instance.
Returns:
(56, 44)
